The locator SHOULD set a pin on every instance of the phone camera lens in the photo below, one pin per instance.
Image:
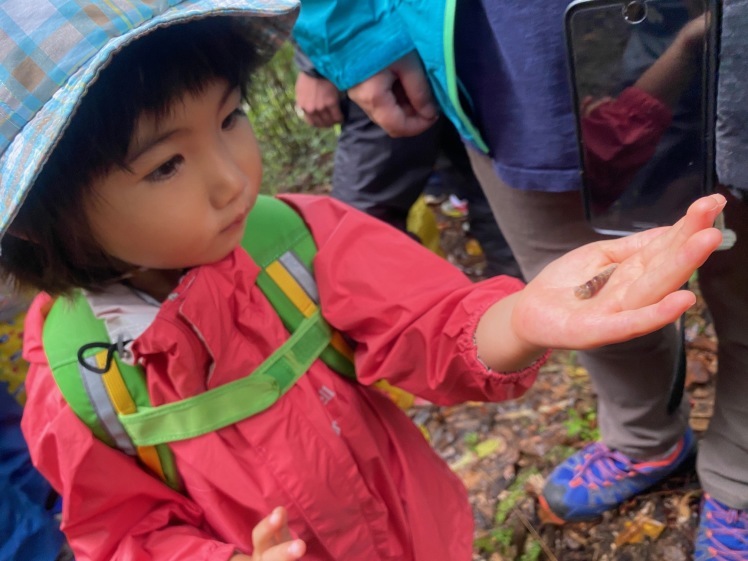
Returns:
(635, 12)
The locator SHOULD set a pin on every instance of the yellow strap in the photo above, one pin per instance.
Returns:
(299, 298)
(115, 386)
(149, 456)
(339, 344)
(291, 288)
(124, 405)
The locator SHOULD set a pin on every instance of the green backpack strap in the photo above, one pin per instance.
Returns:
(99, 400)
(116, 405)
(287, 279)
(234, 401)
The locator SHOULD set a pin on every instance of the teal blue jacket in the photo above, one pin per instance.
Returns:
(351, 40)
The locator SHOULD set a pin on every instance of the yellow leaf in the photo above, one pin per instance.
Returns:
(489, 446)
(636, 530)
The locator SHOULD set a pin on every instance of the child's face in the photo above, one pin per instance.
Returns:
(194, 175)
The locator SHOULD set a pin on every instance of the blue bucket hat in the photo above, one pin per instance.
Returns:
(52, 50)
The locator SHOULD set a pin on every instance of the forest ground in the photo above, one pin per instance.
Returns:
(503, 452)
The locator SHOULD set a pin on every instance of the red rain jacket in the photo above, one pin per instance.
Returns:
(357, 477)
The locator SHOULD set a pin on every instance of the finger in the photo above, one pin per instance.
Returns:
(700, 215)
(417, 90)
(394, 113)
(310, 119)
(327, 118)
(265, 534)
(336, 114)
(629, 324)
(669, 260)
(673, 272)
(393, 117)
(286, 551)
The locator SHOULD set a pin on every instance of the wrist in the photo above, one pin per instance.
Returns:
(499, 345)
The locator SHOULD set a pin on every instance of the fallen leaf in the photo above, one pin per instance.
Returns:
(703, 343)
(697, 372)
(699, 425)
(702, 410)
(466, 460)
(636, 530)
(489, 447)
(683, 508)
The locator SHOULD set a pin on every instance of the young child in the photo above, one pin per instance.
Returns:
(128, 171)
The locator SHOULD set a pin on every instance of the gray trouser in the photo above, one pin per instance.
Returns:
(379, 175)
(723, 453)
(633, 379)
(384, 176)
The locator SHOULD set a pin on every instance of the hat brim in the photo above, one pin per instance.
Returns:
(269, 22)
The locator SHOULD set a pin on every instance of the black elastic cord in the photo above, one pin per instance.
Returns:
(111, 348)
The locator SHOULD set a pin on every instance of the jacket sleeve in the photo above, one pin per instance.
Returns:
(411, 314)
(113, 510)
(349, 40)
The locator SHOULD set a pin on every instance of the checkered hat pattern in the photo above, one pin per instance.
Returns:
(51, 50)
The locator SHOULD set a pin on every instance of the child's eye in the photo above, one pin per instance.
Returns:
(165, 170)
(233, 117)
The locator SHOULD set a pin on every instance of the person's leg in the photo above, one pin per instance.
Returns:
(461, 179)
(632, 379)
(378, 174)
(723, 452)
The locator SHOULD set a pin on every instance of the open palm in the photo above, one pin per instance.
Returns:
(642, 295)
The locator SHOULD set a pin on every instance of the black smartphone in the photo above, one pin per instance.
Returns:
(643, 80)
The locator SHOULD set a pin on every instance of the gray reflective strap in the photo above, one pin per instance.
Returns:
(99, 398)
(301, 274)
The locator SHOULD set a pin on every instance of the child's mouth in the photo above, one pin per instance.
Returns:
(239, 222)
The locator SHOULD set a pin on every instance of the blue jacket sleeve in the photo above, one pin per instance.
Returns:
(351, 40)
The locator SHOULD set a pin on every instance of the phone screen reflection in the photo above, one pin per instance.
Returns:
(642, 75)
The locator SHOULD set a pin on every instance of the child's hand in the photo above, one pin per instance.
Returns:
(642, 294)
(272, 540)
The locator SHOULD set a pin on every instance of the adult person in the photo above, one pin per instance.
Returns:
(497, 70)
(384, 176)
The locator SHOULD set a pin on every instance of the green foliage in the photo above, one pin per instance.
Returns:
(498, 540)
(582, 425)
(558, 454)
(532, 551)
(501, 539)
(471, 439)
(513, 494)
(295, 155)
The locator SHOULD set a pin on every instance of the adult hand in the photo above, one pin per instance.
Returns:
(643, 294)
(398, 98)
(318, 100)
(272, 540)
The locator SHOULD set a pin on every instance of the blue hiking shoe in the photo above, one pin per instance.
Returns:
(596, 479)
(723, 533)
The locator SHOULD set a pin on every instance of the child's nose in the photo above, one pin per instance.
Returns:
(229, 179)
